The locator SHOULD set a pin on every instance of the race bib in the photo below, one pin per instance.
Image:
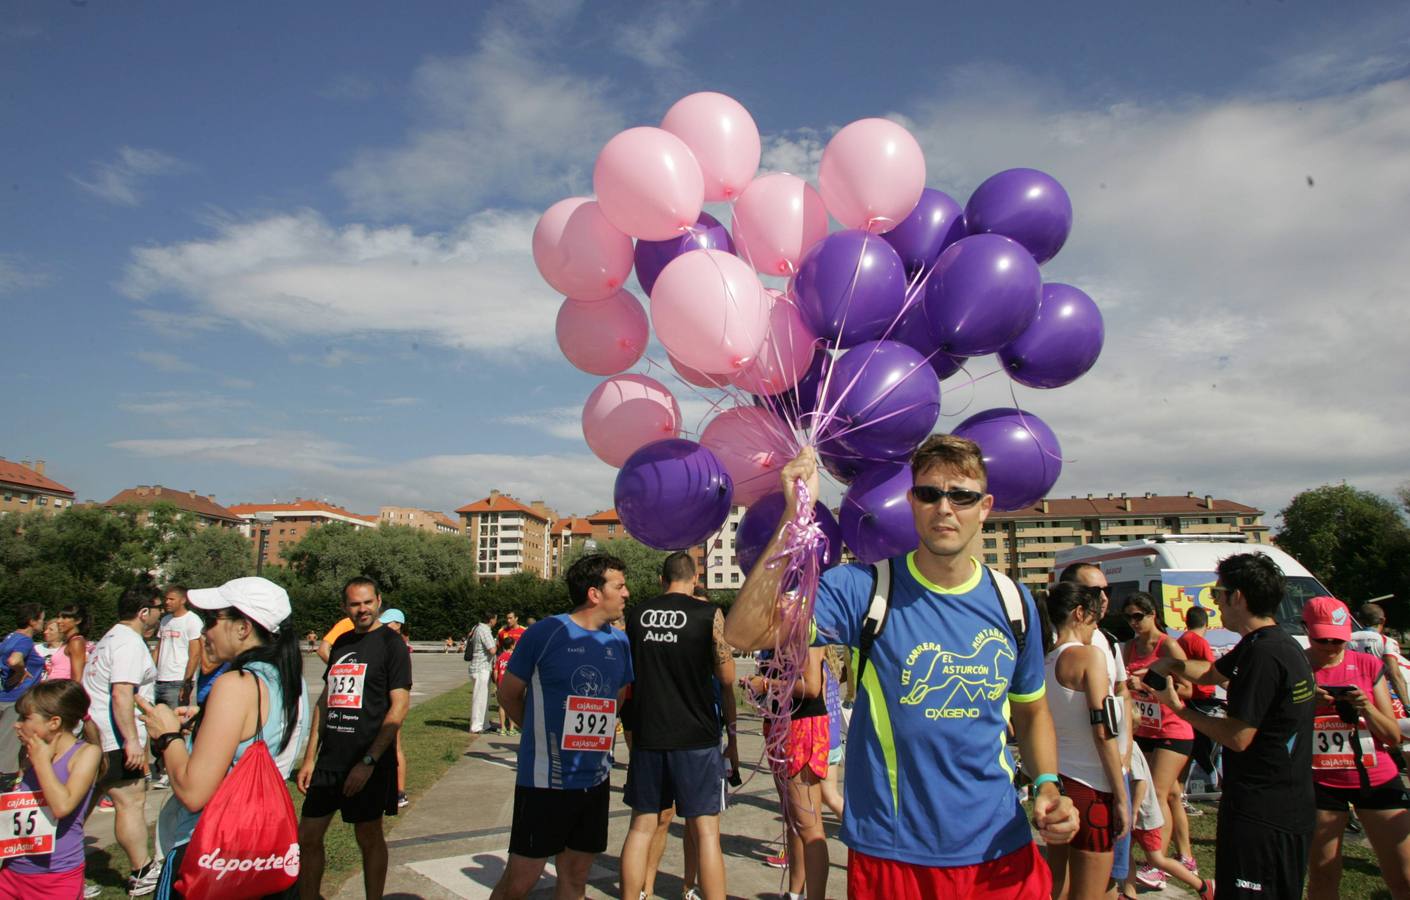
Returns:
(1149, 711)
(1334, 744)
(589, 723)
(27, 826)
(345, 685)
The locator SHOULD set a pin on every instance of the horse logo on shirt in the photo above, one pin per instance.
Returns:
(961, 680)
(587, 681)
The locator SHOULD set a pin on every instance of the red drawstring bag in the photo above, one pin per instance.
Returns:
(246, 843)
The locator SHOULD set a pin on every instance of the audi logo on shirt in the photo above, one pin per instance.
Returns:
(670, 619)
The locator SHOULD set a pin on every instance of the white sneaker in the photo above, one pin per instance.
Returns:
(91, 890)
(144, 881)
(1151, 877)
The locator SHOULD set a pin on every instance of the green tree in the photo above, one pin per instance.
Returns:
(209, 557)
(1355, 542)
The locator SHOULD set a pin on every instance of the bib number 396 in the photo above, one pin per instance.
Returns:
(26, 825)
(1334, 744)
(589, 723)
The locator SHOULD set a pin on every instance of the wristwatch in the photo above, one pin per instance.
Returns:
(162, 741)
(369, 760)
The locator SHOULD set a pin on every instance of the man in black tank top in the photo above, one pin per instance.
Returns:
(678, 654)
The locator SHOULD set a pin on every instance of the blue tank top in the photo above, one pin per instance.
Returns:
(68, 841)
(176, 822)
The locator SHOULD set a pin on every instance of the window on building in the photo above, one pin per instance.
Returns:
(719, 560)
(24, 498)
(9, 495)
(991, 543)
(991, 558)
(611, 528)
(734, 578)
(719, 542)
(41, 500)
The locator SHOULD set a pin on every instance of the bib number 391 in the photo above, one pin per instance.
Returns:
(589, 723)
(27, 826)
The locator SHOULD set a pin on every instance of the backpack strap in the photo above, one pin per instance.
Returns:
(875, 619)
(1014, 608)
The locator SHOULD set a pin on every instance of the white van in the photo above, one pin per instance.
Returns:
(1177, 570)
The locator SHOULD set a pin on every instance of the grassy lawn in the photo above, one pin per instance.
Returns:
(434, 737)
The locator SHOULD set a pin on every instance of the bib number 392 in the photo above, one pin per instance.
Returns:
(1334, 744)
(345, 685)
(27, 826)
(589, 723)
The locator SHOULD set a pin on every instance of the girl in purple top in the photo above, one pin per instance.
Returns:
(62, 771)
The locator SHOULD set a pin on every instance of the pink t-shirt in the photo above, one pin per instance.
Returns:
(1334, 743)
(1157, 719)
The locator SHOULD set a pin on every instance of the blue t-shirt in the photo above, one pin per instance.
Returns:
(929, 777)
(557, 658)
(19, 642)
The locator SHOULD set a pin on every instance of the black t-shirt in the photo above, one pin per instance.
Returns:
(1271, 687)
(363, 670)
(673, 656)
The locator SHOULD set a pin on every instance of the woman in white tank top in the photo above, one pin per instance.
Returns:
(1088, 753)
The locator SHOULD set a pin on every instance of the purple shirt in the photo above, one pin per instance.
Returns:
(68, 842)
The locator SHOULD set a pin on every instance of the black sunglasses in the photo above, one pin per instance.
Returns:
(1136, 616)
(960, 498)
(1328, 641)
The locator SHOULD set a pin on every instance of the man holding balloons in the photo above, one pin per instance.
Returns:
(931, 808)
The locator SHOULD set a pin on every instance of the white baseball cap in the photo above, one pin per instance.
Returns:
(259, 599)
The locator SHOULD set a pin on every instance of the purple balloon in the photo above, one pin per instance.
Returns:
(883, 400)
(652, 256)
(672, 494)
(984, 291)
(850, 287)
(760, 522)
(798, 402)
(913, 329)
(1021, 454)
(876, 514)
(1063, 342)
(841, 463)
(935, 223)
(1026, 205)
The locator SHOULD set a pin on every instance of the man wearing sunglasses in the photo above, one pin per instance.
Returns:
(1268, 807)
(931, 807)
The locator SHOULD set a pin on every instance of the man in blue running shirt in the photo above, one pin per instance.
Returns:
(564, 687)
(931, 805)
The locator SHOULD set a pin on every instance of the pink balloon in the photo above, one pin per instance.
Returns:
(785, 354)
(578, 251)
(776, 220)
(710, 311)
(753, 445)
(649, 184)
(603, 337)
(627, 412)
(697, 377)
(872, 174)
(723, 137)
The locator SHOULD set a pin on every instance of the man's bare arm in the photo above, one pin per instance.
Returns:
(511, 697)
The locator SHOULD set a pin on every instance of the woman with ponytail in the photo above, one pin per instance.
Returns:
(263, 695)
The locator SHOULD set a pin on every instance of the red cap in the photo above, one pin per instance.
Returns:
(1327, 617)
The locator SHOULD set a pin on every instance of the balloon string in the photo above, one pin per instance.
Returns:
(834, 435)
(973, 393)
(820, 423)
(1037, 442)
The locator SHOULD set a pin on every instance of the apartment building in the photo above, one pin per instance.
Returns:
(721, 571)
(508, 536)
(274, 527)
(420, 519)
(568, 534)
(25, 487)
(1025, 542)
(202, 508)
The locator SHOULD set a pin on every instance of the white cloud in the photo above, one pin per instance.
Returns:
(653, 37)
(796, 152)
(297, 275)
(401, 401)
(16, 276)
(506, 121)
(179, 405)
(240, 384)
(119, 180)
(313, 465)
(164, 362)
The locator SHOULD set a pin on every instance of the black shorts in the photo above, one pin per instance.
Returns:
(548, 821)
(377, 798)
(1391, 795)
(117, 772)
(692, 780)
(1182, 746)
(1256, 862)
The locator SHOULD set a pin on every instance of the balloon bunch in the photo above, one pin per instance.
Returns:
(801, 336)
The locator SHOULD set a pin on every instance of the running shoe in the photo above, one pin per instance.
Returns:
(143, 881)
(1206, 890)
(691, 894)
(1189, 862)
(778, 862)
(161, 783)
(91, 890)
(401, 800)
(1151, 877)
(1190, 808)
(105, 803)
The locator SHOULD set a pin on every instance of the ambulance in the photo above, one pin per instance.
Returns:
(1178, 570)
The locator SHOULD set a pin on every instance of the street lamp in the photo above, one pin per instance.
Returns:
(265, 519)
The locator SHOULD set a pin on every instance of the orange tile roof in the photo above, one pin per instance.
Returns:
(607, 515)
(23, 476)
(310, 506)
(500, 503)
(443, 519)
(1115, 507)
(145, 496)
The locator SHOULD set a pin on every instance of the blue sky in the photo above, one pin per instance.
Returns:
(266, 250)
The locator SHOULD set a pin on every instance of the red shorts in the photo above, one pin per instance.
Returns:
(1148, 839)
(1022, 875)
(40, 887)
(1094, 808)
(807, 746)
